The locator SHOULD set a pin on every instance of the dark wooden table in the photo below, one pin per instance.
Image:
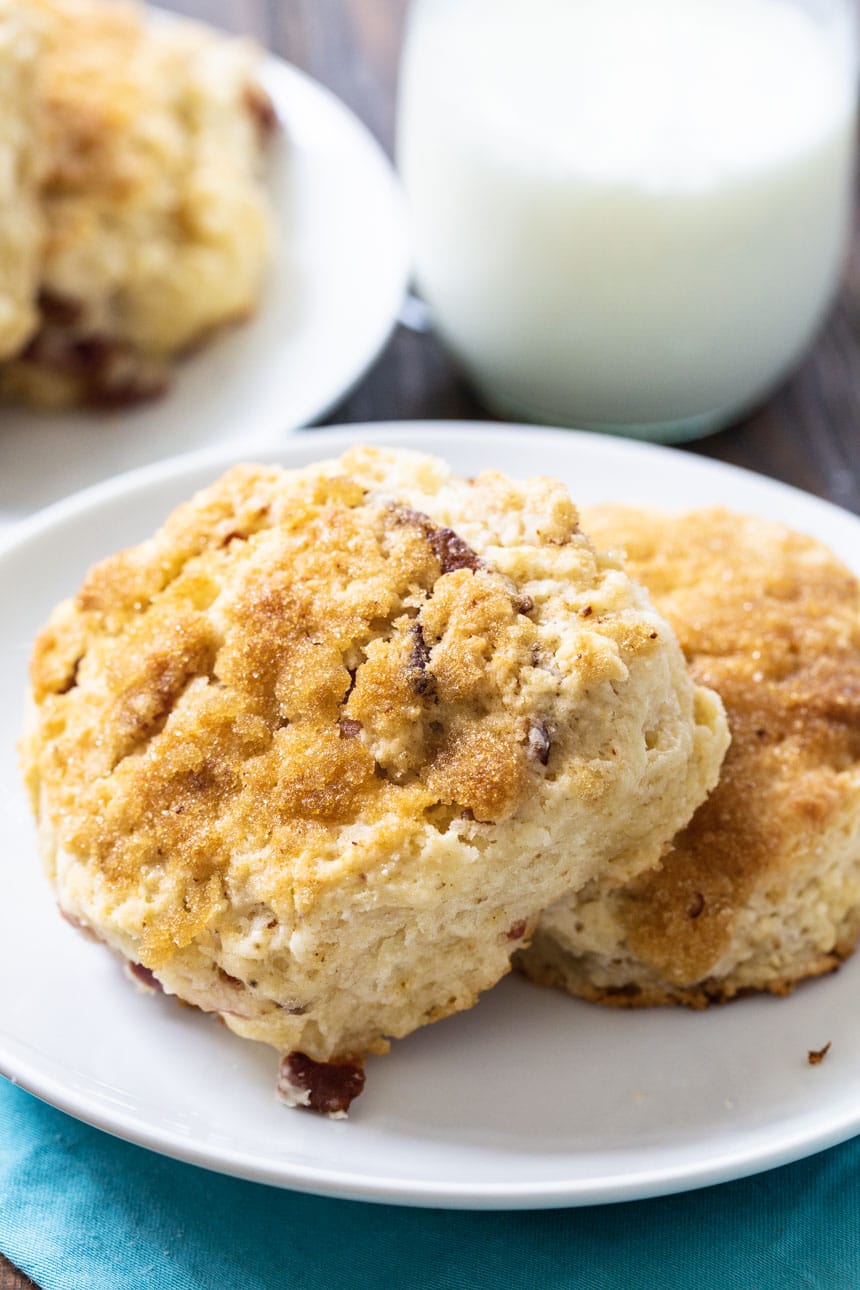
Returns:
(808, 434)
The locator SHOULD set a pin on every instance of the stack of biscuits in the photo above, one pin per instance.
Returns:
(318, 755)
(338, 745)
(135, 219)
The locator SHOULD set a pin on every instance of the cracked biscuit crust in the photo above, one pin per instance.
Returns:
(763, 888)
(319, 752)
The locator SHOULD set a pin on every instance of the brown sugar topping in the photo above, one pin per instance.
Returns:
(771, 621)
(202, 698)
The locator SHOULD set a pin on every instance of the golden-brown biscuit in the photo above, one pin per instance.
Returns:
(156, 224)
(21, 160)
(762, 888)
(318, 753)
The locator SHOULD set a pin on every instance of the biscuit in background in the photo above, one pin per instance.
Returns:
(319, 752)
(762, 889)
(156, 222)
(21, 162)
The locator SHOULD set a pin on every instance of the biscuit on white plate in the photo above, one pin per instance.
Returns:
(157, 224)
(318, 753)
(21, 161)
(762, 889)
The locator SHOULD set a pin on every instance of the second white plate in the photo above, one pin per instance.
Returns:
(531, 1099)
(331, 300)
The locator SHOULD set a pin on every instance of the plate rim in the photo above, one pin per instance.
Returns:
(343, 434)
(816, 1132)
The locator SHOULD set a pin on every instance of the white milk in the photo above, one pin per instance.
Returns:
(627, 211)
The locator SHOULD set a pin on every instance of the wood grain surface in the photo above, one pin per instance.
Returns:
(807, 434)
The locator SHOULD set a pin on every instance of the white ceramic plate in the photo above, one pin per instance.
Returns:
(329, 305)
(529, 1100)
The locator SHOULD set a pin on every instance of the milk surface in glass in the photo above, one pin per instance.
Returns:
(628, 213)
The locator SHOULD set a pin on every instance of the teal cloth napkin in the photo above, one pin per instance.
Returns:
(82, 1211)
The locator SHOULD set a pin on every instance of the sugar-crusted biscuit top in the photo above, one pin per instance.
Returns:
(771, 620)
(319, 752)
(306, 648)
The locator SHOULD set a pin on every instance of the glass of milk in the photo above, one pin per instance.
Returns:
(628, 215)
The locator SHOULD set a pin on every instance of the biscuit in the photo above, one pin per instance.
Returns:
(156, 223)
(762, 889)
(20, 172)
(318, 753)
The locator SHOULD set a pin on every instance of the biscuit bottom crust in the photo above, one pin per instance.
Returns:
(762, 889)
(546, 963)
(318, 753)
